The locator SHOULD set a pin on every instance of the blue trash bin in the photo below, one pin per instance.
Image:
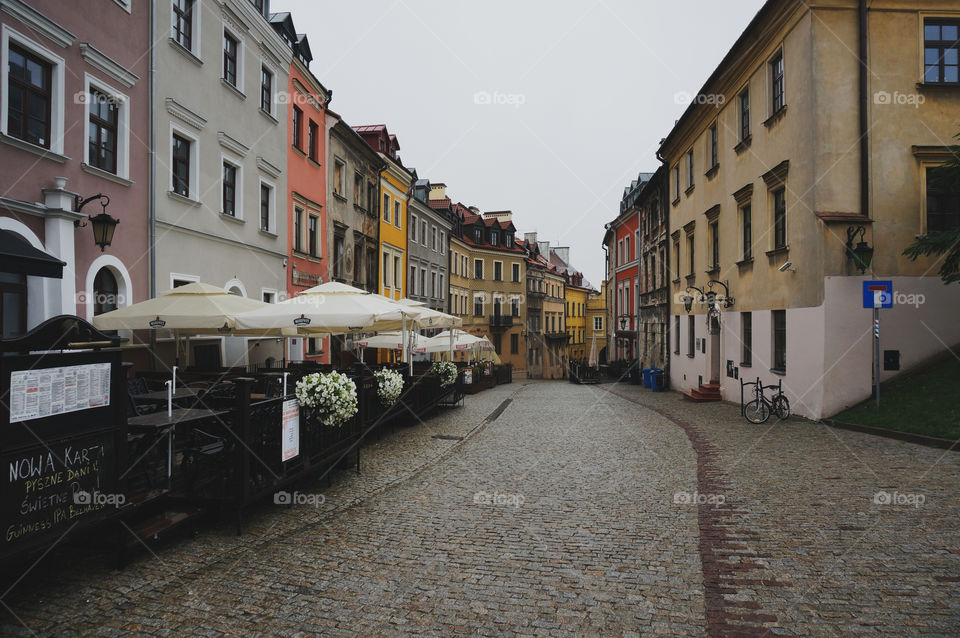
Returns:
(658, 382)
(647, 380)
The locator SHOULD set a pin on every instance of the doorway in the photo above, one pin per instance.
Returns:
(714, 348)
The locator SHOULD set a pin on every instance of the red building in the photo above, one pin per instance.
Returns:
(306, 180)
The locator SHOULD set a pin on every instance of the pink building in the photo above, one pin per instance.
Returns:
(74, 122)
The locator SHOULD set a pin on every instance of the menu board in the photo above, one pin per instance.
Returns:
(290, 429)
(43, 392)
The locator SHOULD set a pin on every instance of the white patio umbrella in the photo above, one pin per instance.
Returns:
(428, 317)
(456, 340)
(390, 340)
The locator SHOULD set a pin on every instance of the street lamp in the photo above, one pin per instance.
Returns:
(862, 253)
(103, 224)
(688, 298)
(623, 323)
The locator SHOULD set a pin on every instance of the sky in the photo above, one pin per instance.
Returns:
(547, 109)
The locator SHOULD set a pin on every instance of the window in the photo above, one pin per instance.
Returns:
(183, 23)
(338, 177)
(230, 47)
(514, 343)
(690, 168)
(266, 90)
(443, 243)
(714, 155)
(744, 101)
(941, 49)
(313, 346)
(297, 127)
(386, 270)
(676, 336)
(229, 189)
(690, 263)
(102, 132)
(478, 269)
(498, 271)
(514, 307)
(746, 339)
(433, 237)
(413, 281)
(691, 335)
(357, 259)
(386, 208)
(357, 189)
(13, 304)
(627, 255)
(477, 235)
(433, 284)
(516, 273)
(30, 97)
(397, 274)
(396, 214)
(597, 324)
(676, 182)
(338, 256)
(493, 237)
(266, 206)
(298, 229)
(715, 245)
(779, 340)
(776, 83)
(181, 165)
(423, 232)
(313, 237)
(676, 259)
(413, 228)
(105, 292)
(779, 219)
(371, 268)
(441, 291)
(423, 282)
(498, 343)
(312, 132)
(943, 204)
(478, 306)
(746, 232)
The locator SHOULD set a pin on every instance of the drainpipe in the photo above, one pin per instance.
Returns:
(864, 139)
(151, 178)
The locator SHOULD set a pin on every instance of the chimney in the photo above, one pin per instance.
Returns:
(544, 247)
(499, 215)
(474, 210)
(438, 191)
(530, 238)
(563, 252)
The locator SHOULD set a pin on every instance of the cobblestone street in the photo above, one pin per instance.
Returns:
(565, 510)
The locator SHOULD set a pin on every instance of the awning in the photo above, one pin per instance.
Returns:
(18, 256)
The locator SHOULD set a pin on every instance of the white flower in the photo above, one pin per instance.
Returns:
(389, 385)
(447, 371)
(334, 394)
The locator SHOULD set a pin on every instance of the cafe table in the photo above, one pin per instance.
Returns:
(160, 396)
(160, 423)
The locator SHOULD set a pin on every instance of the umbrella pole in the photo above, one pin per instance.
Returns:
(176, 347)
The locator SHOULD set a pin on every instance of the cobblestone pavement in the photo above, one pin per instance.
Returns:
(579, 510)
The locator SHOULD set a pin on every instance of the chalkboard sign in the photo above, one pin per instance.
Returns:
(47, 490)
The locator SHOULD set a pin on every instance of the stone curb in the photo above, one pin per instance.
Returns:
(909, 437)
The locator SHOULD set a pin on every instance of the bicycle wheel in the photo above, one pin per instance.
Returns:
(781, 406)
(756, 412)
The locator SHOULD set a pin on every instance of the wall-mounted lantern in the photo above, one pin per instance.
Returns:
(103, 224)
(862, 253)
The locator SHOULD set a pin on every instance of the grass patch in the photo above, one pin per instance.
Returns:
(924, 402)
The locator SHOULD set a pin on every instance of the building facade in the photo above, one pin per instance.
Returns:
(74, 123)
(654, 282)
(220, 183)
(395, 189)
(626, 265)
(772, 188)
(575, 305)
(597, 322)
(546, 334)
(428, 241)
(305, 208)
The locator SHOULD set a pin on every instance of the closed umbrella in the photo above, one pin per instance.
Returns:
(594, 360)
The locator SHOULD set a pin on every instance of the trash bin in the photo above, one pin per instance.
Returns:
(647, 380)
(658, 381)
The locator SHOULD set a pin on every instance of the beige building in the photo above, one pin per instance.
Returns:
(546, 332)
(597, 322)
(780, 161)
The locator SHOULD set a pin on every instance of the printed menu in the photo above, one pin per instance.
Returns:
(49, 391)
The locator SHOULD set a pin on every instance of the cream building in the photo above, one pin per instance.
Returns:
(779, 159)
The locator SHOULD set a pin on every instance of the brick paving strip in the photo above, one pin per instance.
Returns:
(725, 551)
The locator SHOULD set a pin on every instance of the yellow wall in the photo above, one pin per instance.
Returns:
(576, 305)
(394, 186)
(596, 307)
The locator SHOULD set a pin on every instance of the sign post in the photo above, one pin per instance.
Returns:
(877, 295)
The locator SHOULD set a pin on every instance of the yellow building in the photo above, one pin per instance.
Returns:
(575, 302)
(395, 188)
(781, 169)
(546, 336)
(596, 321)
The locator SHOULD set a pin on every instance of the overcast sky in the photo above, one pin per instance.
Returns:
(544, 108)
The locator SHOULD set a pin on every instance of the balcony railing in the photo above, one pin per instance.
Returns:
(501, 321)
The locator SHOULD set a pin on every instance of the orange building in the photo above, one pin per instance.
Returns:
(306, 181)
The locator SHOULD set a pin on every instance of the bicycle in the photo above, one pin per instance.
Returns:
(759, 410)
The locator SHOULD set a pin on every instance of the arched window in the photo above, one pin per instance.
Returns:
(236, 291)
(105, 291)
(13, 304)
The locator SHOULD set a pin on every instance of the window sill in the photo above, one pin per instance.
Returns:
(691, 356)
(232, 218)
(360, 209)
(689, 190)
(299, 151)
(240, 94)
(99, 172)
(314, 162)
(781, 373)
(712, 172)
(691, 277)
(746, 261)
(743, 145)
(268, 233)
(339, 196)
(183, 200)
(938, 85)
(778, 251)
(269, 116)
(677, 281)
(675, 201)
(185, 52)
(776, 117)
(33, 148)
